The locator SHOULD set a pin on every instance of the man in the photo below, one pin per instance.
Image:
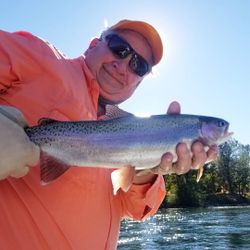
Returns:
(78, 210)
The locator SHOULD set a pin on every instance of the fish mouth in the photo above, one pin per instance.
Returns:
(227, 134)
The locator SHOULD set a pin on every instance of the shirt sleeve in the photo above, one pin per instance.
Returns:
(20, 54)
(142, 201)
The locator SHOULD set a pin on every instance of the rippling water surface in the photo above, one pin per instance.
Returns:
(202, 228)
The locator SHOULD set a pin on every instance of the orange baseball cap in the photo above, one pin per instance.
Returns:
(147, 31)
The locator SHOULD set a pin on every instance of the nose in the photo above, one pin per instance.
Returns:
(121, 65)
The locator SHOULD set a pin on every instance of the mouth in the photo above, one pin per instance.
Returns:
(228, 134)
(113, 76)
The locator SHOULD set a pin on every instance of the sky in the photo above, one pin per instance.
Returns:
(206, 62)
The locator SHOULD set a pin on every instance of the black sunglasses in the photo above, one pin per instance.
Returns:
(122, 49)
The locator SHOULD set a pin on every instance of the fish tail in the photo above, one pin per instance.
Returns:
(51, 168)
(122, 178)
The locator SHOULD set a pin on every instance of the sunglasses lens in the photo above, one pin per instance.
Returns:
(139, 65)
(118, 47)
(122, 49)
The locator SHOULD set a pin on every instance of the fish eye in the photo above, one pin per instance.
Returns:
(221, 123)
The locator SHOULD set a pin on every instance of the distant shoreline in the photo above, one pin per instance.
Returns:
(217, 200)
(226, 200)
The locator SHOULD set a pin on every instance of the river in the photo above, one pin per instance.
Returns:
(196, 228)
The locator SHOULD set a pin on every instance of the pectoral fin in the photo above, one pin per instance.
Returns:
(199, 173)
(122, 178)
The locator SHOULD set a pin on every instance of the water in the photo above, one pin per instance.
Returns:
(201, 228)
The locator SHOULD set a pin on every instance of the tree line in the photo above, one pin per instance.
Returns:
(230, 174)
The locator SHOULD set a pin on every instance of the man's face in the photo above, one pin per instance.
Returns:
(116, 79)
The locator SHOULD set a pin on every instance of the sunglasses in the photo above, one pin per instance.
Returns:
(121, 49)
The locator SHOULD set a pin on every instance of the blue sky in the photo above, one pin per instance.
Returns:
(206, 64)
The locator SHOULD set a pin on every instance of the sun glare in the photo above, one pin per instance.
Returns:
(142, 114)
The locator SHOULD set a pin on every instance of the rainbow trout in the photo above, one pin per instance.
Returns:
(121, 139)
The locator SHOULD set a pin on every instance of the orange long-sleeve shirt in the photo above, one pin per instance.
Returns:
(78, 210)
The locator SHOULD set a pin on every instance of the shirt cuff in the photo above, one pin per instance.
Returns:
(150, 194)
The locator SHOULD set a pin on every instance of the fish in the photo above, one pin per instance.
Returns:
(118, 140)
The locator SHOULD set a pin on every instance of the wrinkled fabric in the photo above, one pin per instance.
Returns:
(78, 210)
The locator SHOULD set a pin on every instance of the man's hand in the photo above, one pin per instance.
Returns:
(17, 152)
(186, 159)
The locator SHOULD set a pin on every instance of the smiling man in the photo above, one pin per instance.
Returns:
(78, 210)
(122, 70)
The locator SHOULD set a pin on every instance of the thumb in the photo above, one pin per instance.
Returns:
(174, 108)
(14, 115)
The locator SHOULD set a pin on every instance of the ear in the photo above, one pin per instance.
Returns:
(93, 42)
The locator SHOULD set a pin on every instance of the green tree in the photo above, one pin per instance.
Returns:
(211, 181)
(242, 170)
(183, 190)
(227, 164)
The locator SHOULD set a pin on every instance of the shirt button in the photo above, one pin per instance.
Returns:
(89, 115)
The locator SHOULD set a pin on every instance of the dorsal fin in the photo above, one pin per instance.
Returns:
(113, 112)
(45, 121)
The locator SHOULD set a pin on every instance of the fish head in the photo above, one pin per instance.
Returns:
(214, 131)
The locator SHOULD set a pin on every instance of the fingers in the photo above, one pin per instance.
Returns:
(212, 153)
(184, 162)
(174, 108)
(199, 155)
(31, 159)
(166, 164)
(33, 155)
(187, 159)
(20, 172)
(181, 166)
